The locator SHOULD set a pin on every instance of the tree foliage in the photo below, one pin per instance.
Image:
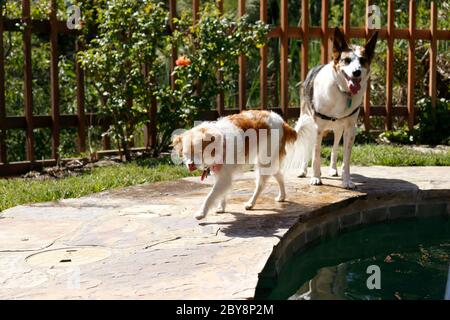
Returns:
(210, 46)
(131, 38)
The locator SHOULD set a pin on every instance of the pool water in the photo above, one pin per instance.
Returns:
(413, 257)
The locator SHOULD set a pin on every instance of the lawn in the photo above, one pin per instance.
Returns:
(21, 191)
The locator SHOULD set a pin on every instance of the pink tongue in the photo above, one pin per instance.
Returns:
(204, 174)
(354, 87)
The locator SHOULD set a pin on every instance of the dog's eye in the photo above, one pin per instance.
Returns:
(347, 60)
(362, 60)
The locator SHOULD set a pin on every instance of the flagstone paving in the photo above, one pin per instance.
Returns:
(142, 242)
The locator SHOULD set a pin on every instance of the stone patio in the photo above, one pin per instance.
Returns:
(142, 242)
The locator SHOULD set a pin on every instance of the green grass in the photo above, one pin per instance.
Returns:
(21, 191)
(390, 155)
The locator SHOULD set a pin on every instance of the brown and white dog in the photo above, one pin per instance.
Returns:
(229, 145)
(331, 96)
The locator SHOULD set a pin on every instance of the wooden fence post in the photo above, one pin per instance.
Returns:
(305, 39)
(324, 38)
(389, 65)
(28, 80)
(242, 67)
(433, 53)
(195, 10)
(3, 158)
(367, 93)
(220, 102)
(54, 81)
(284, 52)
(80, 100)
(411, 62)
(263, 61)
(174, 50)
(346, 22)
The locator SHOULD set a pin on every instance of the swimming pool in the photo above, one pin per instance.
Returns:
(405, 258)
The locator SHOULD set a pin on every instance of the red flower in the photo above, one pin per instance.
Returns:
(183, 61)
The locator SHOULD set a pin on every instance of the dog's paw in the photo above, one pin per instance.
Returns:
(220, 209)
(315, 181)
(302, 174)
(199, 215)
(332, 172)
(249, 205)
(280, 198)
(348, 184)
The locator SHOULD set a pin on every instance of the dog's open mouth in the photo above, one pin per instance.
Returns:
(353, 83)
(205, 173)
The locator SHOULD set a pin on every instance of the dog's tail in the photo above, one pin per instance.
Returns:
(300, 151)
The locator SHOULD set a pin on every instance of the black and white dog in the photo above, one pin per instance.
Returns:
(331, 97)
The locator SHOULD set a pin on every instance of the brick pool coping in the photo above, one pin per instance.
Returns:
(141, 242)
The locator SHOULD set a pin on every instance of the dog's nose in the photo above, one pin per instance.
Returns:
(356, 73)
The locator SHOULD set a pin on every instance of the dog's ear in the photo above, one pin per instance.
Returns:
(339, 43)
(369, 48)
(177, 144)
(176, 140)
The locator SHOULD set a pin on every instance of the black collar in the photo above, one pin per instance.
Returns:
(324, 117)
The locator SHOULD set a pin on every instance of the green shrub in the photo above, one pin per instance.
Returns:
(212, 45)
(433, 126)
(131, 34)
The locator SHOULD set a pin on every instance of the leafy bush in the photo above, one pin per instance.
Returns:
(213, 45)
(433, 126)
(131, 35)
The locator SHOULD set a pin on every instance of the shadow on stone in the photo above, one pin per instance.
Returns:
(257, 223)
(369, 184)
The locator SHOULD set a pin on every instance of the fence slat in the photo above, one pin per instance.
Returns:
(324, 39)
(79, 73)
(242, 67)
(2, 93)
(174, 51)
(220, 103)
(263, 62)
(28, 94)
(411, 63)
(284, 52)
(152, 125)
(367, 93)
(389, 65)
(346, 22)
(150, 134)
(54, 81)
(305, 40)
(433, 53)
(195, 10)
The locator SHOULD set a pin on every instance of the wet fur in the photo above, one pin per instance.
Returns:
(223, 130)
